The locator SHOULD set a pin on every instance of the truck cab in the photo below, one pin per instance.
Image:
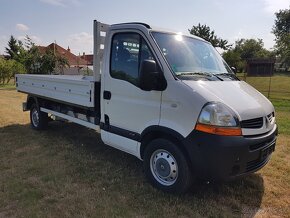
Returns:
(168, 99)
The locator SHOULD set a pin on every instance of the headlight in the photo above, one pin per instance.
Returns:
(218, 114)
(217, 118)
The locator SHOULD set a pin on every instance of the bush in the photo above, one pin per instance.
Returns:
(8, 69)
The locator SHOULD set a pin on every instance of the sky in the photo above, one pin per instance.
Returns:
(70, 22)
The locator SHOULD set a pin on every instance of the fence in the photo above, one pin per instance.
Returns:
(276, 86)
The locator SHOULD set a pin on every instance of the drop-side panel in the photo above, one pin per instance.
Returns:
(77, 90)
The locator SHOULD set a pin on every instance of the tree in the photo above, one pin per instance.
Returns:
(4, 70)
(51, 62)
(251, 48)
(246, 49)
(8, 69)
(61, 64)
(35, 62)
(281, 30)
(32, 57)
(43, 63)
(16, 68)
(233, 59)
(206, 33)
(13, 47)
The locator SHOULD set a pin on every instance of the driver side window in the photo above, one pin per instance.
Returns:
(128, 50)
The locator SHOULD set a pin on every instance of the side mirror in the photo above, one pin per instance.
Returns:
(234, 70)
(150, 77)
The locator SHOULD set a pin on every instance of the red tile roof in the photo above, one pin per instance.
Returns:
(73, 60)
(88, 58)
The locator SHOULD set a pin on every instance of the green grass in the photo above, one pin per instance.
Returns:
(66, 171)
(279, 89)
(282, 108)
(9, 85)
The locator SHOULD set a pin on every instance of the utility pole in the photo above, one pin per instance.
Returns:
(54, 47)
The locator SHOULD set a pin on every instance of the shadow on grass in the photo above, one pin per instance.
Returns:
(91, 163)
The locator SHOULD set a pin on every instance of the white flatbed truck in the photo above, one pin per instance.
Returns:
(166, 98)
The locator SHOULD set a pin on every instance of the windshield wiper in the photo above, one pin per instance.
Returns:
(193, 73)
(227, 75)
(198, 74)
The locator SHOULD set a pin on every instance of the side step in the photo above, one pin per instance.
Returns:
(72, 119)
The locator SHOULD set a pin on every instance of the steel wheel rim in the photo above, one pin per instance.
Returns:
(164, 167)
(35, 117)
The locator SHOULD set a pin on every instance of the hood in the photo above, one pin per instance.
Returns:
(246, 101)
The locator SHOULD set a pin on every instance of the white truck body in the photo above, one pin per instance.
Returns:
(180, 115)
(78, 90)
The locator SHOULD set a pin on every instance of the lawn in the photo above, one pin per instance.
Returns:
(66, 171)
(279, 85)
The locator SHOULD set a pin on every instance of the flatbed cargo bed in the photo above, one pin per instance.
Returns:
(78, 90)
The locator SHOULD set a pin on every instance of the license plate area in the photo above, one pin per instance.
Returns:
(265, 152)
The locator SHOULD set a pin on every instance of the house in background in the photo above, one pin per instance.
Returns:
(76, 63)
(88, 58)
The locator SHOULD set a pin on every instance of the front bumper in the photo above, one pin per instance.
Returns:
(216, 157)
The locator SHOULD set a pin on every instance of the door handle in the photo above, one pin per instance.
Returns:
(107, 95)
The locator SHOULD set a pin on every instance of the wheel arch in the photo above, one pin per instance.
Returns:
(154, 132)
(31, 100)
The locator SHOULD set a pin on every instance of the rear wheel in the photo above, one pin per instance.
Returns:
(166, 167)
(38, 119)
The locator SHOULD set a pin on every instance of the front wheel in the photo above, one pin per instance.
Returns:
(38, 119)
(166, 167)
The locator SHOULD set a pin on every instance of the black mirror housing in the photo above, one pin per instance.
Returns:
(234, 70)
(150, 77)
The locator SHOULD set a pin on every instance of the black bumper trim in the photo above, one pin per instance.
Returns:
(215, 157)
(121, 132)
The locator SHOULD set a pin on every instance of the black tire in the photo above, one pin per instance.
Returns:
(166, 167)
(38, 119)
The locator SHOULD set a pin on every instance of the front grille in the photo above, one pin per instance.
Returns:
(252, 123)
(256, 164)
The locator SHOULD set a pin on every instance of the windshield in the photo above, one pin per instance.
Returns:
(189, 56)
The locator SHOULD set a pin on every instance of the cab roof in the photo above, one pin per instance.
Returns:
(157, 29)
